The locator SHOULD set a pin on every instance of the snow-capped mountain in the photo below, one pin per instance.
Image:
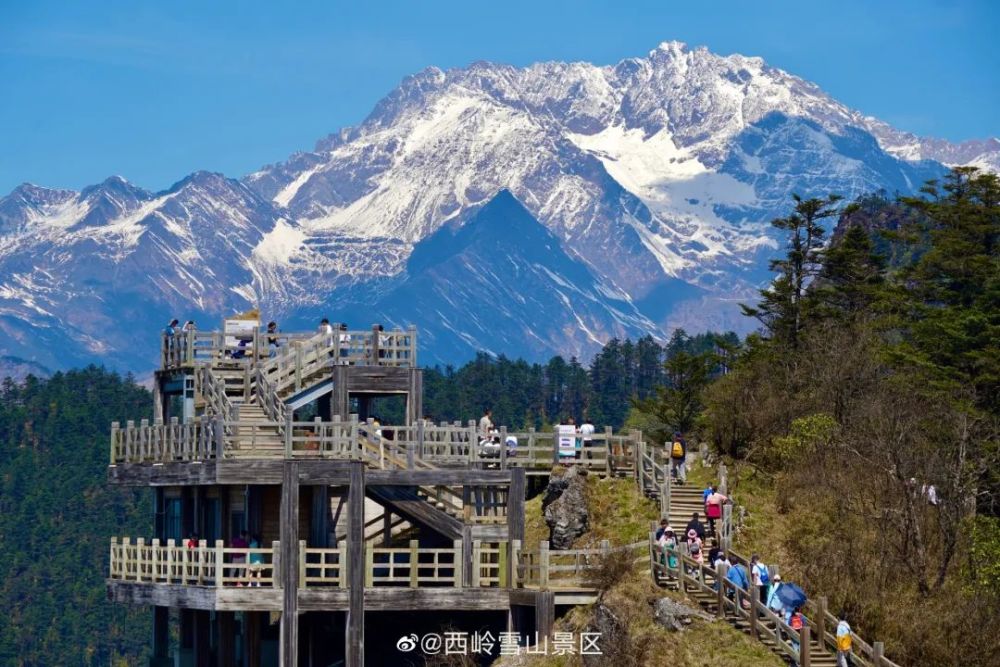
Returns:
(650, 182)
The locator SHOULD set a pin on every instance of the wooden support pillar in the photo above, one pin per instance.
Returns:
(289, 564)
(545, 613)
(202, 639)
(252, 622)
(355, 631)
(226, 633)
(754, 599)
(161, 637)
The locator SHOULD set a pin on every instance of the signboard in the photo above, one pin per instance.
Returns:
(567, 440)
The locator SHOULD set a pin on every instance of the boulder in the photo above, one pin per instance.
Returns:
(675, 616)
(565, 506)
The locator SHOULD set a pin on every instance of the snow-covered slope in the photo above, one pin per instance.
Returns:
(655, 177)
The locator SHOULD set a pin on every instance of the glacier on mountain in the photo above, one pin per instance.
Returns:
(652, 181)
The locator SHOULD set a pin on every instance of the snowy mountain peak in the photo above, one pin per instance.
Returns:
(531, 210)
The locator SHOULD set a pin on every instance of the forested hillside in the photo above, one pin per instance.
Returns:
(869, 407)
(56, 516)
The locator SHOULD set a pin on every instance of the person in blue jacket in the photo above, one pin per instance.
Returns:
(737, 575)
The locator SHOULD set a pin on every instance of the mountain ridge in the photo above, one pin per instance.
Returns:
(658, 174)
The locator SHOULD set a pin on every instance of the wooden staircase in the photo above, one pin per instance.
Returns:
(685, 500)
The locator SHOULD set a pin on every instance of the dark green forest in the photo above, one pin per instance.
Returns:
(57, 515)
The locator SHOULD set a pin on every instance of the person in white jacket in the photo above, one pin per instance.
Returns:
(844, 640)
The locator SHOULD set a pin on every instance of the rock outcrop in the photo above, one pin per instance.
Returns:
(565, 507)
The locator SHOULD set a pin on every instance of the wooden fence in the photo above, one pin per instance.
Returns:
(202, 565)
(547, 568)
(216, 348)
(733, 602)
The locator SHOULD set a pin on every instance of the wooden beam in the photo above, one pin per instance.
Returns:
(449, 477)
(355, 631)
(416, 599)
(405, 502)
(289, 564)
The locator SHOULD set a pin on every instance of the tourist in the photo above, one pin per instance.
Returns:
(256, 561)
(737, 576)
(796, 621)
(587, 437)
(678, 458)
(668, 544)
(664, 527)
(240, 542)
(171, 329)
(774, 603)
(272, 339)
(760, 576)
(192, 541)
(326, 329)
(188, 327)
(713, 507)
(696, 525)
(844, 641)
(485, 425)
(344, 341)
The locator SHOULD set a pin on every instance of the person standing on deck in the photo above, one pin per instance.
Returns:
(485, 425)
(188, 326)
(171, 328)
(587, 436)
(272, 339)
(844, 640)
(326, 328)
(678, 457)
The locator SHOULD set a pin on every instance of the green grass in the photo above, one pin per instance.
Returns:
(618, 513)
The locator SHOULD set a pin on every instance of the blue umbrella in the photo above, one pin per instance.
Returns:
(791, 596)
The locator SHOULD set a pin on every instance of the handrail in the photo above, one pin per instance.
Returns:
(202, 565)
(371, 348)
(567, 568)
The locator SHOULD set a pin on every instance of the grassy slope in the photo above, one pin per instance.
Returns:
(620, 514)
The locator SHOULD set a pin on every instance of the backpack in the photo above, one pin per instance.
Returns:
(765, 576)
(795, 622)
(844, 643)
(677, 451)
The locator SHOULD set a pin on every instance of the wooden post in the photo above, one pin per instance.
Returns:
(515, 513)
(723, 479)
(477, 553)
(720, 578)
(467, 556)
(276, 563)
(609, 466)
(805, 655)
(665, 500)
(878, 653)
(459, 576)
(420, 437)
(220, 560)
(543, 564)
(355, 640)
(555, 444)
(503, 447)
(289, 560)
(545, 613)
(414, 563)
(821, 604)
(754, 601)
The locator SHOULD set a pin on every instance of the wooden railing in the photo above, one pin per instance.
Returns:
(733, 602)
(202, 565)
(419, 446)
(568, 568)
(366, 347)
(160, 443)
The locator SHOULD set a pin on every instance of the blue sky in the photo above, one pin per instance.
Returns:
(155, 90)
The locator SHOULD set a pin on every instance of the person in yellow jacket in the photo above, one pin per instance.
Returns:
(843, 641)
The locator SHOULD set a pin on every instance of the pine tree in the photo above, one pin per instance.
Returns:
(781, 309)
